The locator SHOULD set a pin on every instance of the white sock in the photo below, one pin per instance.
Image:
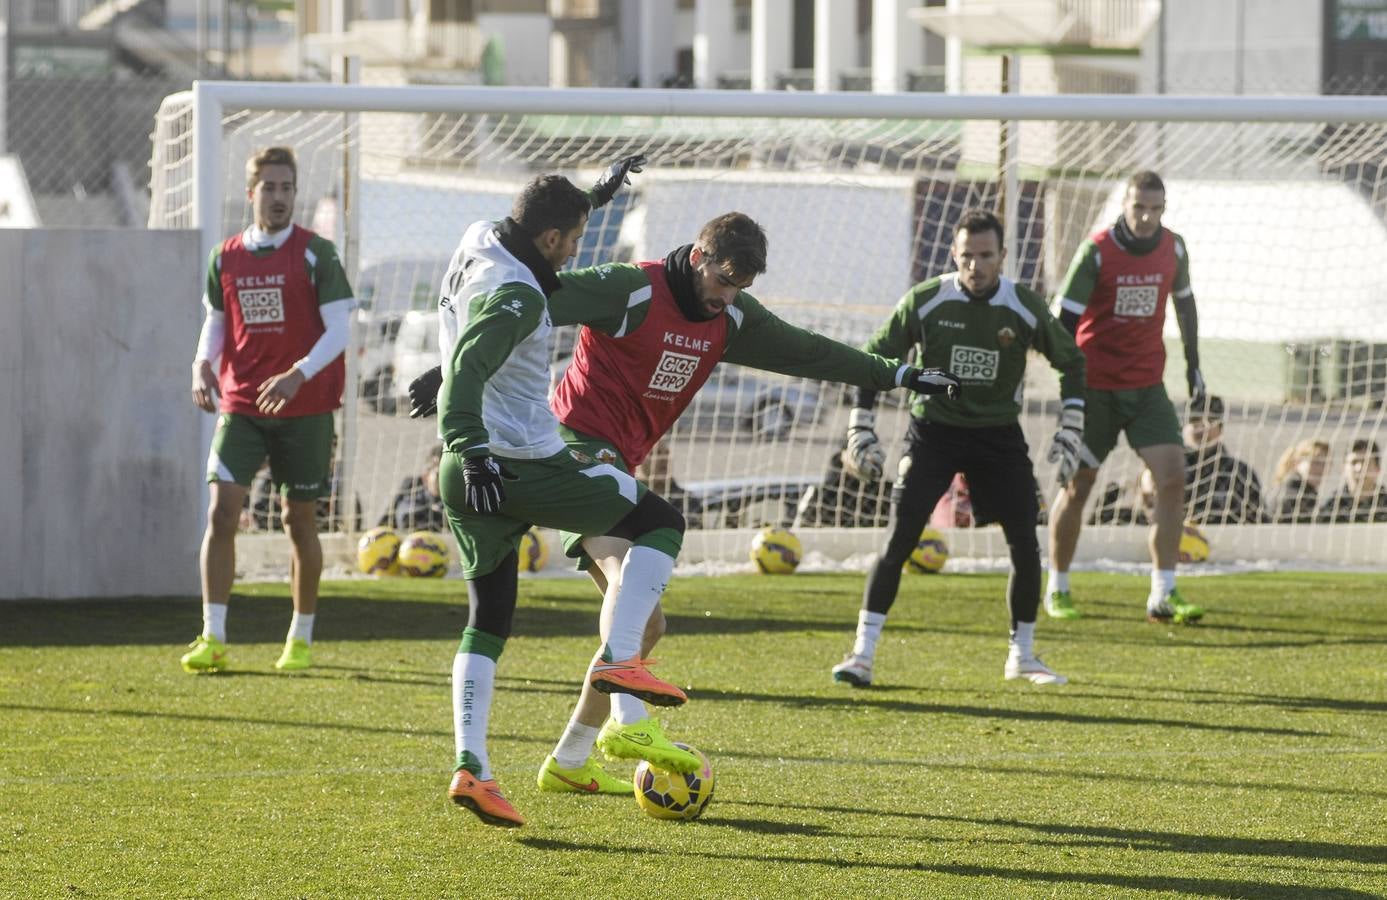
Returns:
(1023, 640)
(627, 709)
(574, 748)
(1059, 581)
(1162, 583)
(644, 574)
(214, 621)
(301, 627)
(869, 625)
(474, 678)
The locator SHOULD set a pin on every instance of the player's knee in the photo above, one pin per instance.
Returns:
(300, 521)
(1081, 484)
(223, 519)
(652, 513)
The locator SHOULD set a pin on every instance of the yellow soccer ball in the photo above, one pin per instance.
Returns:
(425, 554)
(534, 552)
(670, 795)
(378, 552)
(776, 551)
(929, 555)
(1194, 546)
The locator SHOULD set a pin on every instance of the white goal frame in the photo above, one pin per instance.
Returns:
(1357, 545)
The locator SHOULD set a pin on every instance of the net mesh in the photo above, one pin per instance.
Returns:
(1282, 220)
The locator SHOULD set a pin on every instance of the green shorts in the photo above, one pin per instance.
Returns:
(299, 449)
(602, 451)
(1145, 415)
(569, 491)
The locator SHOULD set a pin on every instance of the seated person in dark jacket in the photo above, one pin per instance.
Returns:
(1219, 488)
(418, 505)
(1361, 499)
(1115, 508)
(1298, 475)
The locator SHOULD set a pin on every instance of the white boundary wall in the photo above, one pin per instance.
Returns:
(100, 465)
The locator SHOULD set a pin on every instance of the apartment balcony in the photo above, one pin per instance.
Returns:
(1100, 25)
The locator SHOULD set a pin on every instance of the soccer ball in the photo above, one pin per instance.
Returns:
(669, 795)
(424, 554)
(1194, 546)
(929, 555)
(776, 551)
(378, 552)
(534, 553)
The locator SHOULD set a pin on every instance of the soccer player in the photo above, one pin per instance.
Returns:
(506, 467)
(1113, 301)
(278, 319)
(653, 332)
(980, 325)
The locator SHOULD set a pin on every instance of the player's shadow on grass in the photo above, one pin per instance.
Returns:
(1199, 887)
(862, 698)
(342, 616)
(1209, 697)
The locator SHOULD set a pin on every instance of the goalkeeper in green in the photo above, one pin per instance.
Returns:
(980, 326)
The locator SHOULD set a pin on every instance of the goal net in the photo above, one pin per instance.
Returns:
(1282, 204)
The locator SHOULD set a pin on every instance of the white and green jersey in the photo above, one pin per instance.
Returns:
(494, 334)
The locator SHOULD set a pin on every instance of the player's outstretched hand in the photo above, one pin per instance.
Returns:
(864, 457)
(484, 478)
(934, 381)
(1068, 448)
(616, 175)
(423, 393)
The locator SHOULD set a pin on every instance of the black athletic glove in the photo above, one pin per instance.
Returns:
(616, 175)
(933, 381)
(1198, 392)
(423, 393)
(483, 479)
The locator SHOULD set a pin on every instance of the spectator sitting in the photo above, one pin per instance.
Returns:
(1361, 499)
(418, 504)
(1112, 509)
(1219, 488)
(1298, 475)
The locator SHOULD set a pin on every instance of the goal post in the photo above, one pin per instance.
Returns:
(1282, 202)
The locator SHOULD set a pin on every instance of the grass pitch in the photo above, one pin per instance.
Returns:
(1246, 757)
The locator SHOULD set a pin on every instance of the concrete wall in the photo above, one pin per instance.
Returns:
(100, 450)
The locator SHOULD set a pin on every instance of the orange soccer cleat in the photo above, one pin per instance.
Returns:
(484, 798)
(632, 676)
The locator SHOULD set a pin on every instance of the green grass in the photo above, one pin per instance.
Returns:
(1243, 758)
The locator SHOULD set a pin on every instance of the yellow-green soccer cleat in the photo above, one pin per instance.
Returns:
(1173, 608)
(644, 740)
(296, 656)
(1060, 605)
(589, 778)
(206, 654)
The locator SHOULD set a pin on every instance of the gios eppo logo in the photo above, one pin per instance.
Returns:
(974, 363)
(261, 306)
(673, 372)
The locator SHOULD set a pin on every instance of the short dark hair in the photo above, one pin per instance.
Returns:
(1146, 180)
(977, 220)
(1211, 409)
(1364, 445)
(735, 243)
(549, 201)
(270, 156)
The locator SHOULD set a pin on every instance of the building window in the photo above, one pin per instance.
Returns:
(741, 16)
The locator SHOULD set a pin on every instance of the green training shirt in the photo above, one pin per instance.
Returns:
(982, 342)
